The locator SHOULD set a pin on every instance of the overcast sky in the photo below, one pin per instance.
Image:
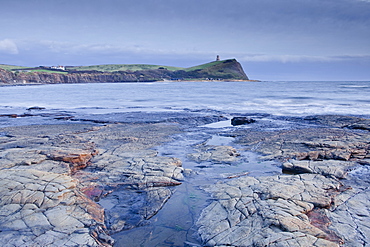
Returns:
(272, 39)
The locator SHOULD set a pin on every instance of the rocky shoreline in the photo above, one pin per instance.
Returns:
(76, 184)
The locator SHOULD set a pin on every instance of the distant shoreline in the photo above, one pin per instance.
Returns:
(171, 81)
(225, 70)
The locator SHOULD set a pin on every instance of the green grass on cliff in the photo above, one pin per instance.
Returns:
(28, 69)
(48, 71)
(225, 69)
(122, 67)
(117, 67)
(137, 67)
(11, 67)
(205, 66)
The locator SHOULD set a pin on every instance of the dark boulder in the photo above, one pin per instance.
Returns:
(241, 120)
(37, 108)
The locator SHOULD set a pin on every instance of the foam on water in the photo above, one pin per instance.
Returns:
(277, 98)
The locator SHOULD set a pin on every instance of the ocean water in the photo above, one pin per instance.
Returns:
(276, 98)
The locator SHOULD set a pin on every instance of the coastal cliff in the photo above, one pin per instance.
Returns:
(219, 70)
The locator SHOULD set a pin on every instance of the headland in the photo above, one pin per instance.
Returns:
(222, 70)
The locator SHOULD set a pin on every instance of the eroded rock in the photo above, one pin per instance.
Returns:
(57, 174)
(308, 143)
(334, 168)
(140, 188)
(55, 177)
(317, 204)
(42, 208)
(267, 211)
(215, 154)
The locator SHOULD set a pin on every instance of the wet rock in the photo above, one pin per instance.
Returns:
(308, 143)
(215, 154)
(197, 120)
(55, 177)
(36, 108)
(267, 211)
(57, 174)
(140, 187)
(351, 218)
(130, 208)
(77, 159)
(241, 121)
(319, 219)
(9, 115)
(126, 176)
(334, 168)
(340, 121)
(193, 118)
(20, 157)
(41, 208)
(318, 204)
(350, 213)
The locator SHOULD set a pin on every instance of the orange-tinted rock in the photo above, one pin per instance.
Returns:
(77, 158)
(77, 161)
(9, 115)
(319, 219)
(93, 192)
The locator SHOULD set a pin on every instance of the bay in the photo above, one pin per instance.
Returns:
(276, 98)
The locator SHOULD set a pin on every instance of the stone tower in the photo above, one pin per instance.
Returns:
(218, 58)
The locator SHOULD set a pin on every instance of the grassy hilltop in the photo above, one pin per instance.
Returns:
(229, 69)
(121, 67)
(138, 67)
(225, 69)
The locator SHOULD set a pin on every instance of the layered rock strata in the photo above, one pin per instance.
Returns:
(43, 209)
(321, 201)
(75, 184)
(214, 153)
(53, 178)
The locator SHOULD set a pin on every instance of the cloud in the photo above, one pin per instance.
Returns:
(71, 48)
(8, 46)
(57, 52)
(298, 58)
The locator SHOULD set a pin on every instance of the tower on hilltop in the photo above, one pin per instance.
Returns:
(218, 58)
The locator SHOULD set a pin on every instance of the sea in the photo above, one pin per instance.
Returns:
(175, 223)
(282, 98)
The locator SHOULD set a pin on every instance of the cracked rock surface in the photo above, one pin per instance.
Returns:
(268, 211)
(322, 200)
(74, 184)
(213, 153)
(308, 143)
(42, 208)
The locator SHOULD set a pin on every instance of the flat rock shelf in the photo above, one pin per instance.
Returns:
(181, 183)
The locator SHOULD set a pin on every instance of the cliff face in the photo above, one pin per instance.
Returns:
(223, 70)
(6, 76)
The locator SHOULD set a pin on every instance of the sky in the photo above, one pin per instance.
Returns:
(274, 40)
